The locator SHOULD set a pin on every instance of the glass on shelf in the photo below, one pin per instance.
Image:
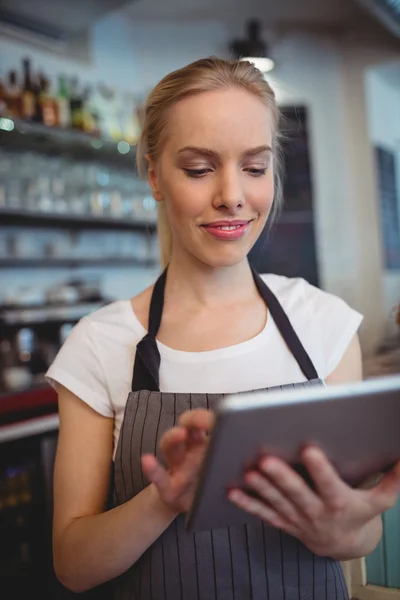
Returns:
(45, 201)
(13, 192)
(127, 206)
(65, 185)
(103, 177)
(100, 202)
(79, 203)
(150, 207)
(144, 207)
(116, 204)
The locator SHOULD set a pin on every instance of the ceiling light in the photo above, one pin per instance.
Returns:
(253, 48)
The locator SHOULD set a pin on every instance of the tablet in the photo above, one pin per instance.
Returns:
(357, 425)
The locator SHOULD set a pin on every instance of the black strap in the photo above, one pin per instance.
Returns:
(157, 305)
(147, 362)
(286, 329)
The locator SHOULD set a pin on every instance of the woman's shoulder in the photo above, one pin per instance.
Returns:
(324, 322)
(296, 293)
(95, 359)
(119, 320)
(110, 314)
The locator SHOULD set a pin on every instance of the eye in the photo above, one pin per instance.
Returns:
(257, 172)
(196, 172)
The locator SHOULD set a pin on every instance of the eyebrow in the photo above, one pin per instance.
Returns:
(212, 154)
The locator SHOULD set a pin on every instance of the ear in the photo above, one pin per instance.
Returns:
(153, 179)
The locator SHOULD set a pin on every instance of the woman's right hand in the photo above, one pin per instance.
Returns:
(183, 447)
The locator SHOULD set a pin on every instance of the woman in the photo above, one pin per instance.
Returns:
(210, 146)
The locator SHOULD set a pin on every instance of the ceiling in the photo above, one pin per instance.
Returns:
(271, 12)
(64, 18)
(57, 18)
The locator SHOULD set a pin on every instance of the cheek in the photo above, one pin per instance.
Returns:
(261, 196)
(187, 199)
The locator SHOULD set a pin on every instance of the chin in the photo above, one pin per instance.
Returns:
(229, 258)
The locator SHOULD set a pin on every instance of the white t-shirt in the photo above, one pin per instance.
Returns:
(96, 360)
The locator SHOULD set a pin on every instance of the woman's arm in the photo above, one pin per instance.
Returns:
(350, 369)
(92, 546)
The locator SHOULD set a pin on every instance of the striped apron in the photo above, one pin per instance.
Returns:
(252, 561)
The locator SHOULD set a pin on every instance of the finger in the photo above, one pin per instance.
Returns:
(260, 510)
(273, 496)
(292, 486)
(370, 482)
(384, 495)
(198, 419)
(330, 487)
(156, 474)
(173, 445)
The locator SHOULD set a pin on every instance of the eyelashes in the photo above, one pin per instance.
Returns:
(257, 172)
(198, 173)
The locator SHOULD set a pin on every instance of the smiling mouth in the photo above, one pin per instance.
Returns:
(227, 227)
(226, 231)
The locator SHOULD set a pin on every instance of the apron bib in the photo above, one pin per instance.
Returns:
(248, 562)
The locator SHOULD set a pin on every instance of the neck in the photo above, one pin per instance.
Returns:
(193, 281)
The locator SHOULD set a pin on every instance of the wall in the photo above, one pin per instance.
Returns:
(124, 54)
(383, 100)
(129, 57)
(325, 75)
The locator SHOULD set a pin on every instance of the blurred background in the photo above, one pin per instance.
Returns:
(78, 227)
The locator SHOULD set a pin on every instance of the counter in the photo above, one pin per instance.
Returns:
(20, 405)
(28, 428)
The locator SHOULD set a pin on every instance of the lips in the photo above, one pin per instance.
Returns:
(227, 230)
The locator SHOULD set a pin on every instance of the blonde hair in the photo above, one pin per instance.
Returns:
(204, 75)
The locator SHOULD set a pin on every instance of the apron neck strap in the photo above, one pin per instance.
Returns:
(147, 361)
(157, 305)
(146, 370)
(286, 328)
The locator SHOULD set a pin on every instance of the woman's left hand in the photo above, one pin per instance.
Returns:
(330, 520)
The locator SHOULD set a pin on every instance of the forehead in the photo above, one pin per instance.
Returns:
(222, 120)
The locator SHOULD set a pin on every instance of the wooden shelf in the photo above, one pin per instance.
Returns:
(11, 216)
(73, 263)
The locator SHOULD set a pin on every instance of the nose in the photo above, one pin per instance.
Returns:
(229, 193)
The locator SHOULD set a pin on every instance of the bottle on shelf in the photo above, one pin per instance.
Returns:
(107, 108)
(29, 96)
(115, 116)
(88, 119)
(3, 104)
(76, 105)
(13, 95)
(64, 109)
(130, 127)
(98, 108)
(47, 102)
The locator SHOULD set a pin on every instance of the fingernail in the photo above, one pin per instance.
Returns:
(197, 435)
(265, 466)
(233, 496)
(251, 477)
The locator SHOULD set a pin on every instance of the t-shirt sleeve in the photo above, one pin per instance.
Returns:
(77, 367)
(335, 324)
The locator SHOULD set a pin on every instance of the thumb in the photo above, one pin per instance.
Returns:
(386, 493)
(156, 474)
(198, 419)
